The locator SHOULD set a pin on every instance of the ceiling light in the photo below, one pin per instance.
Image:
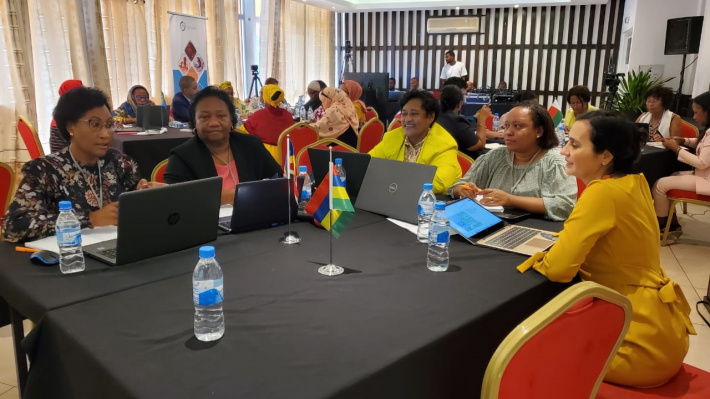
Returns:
(457, 7)
(516, 6)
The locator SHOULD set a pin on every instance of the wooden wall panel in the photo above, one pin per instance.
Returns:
(545, 49)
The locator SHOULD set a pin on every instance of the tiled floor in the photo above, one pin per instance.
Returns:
(686, 262)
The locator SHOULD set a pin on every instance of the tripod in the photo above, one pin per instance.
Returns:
(256, 84)
(347, 60)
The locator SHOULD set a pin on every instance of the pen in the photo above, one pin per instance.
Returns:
(25, 249)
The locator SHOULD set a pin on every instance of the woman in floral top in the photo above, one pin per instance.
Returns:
(88, 173)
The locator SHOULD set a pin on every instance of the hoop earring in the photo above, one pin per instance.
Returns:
(194, 131)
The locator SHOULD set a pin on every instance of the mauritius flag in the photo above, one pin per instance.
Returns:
(555, 113)
(330, 205)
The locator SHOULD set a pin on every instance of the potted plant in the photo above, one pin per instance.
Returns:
(630, 101)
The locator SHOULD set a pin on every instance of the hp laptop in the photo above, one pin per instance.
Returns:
(161, 220)
(152, 116)
(392, 188)
(259, 204)
(481, 227)
(355, 165)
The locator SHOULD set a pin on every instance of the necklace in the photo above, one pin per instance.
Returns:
(100, 196)
(527, 166)
(229, 166)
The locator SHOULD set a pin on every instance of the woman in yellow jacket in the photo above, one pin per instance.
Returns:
(421, 140)
(612, 238)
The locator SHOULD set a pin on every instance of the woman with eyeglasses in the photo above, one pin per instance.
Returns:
(662, 122)
(128, 111)
(578, 98)
(88, 172)
(340, 120)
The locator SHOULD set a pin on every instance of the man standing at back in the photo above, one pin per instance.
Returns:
(182, 100)
(452, 68)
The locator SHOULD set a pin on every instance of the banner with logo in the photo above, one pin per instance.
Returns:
(188, 48)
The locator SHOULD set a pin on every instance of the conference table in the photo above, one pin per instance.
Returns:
(149, 150)
(387, 327)
(656, 162)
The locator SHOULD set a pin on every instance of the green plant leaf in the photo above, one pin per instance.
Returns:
(631, 96)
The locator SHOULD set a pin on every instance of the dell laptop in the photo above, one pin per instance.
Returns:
(152, 116)
(259, 204)
(355, 165)
(392, 188)
(481, 227)
(161, 220)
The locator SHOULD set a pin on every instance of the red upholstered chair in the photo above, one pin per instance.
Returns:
(30, 138)
(489, 123)
(302, 134)
(370, 114)
(7, 185)
(465, 162)
(394, 124)
(580, 187)
(370, 135)
(683, 197)
(688, 130)
(563, 350)
(436, 93)
(303, 159)
(159, 171)
(689, 383)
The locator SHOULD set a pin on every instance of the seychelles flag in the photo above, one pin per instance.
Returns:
(330, 205)
(555, 113)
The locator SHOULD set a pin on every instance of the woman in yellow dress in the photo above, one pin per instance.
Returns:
(612, 238)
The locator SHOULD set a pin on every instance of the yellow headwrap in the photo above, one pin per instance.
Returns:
(272, 95)
(225, 85)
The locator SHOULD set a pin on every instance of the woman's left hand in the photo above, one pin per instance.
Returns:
(143, 184)
(671, 144)
(494, 196)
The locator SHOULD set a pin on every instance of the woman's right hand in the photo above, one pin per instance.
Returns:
(468, 190)
(106, 216)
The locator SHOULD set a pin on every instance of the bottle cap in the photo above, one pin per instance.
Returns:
(65, 205)
(338, 161)
(428, 186)
(303, 168)
(207, 251)
(496, 114)
(440, 206)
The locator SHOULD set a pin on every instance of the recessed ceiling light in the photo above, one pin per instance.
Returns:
(516, 6)
(457, 7)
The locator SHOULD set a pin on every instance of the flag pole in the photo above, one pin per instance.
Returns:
(290, 237)
(331, 269)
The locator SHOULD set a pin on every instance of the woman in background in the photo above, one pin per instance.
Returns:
(339, 121)
(354, 92)
(578, 98)
(269, 122)
(56, 140)
(128, 111)
(238, 104)
(662, 122)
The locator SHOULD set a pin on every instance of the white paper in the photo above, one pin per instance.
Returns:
(225, 211)
(490, 208)
(493, 146)
(88, 237)
(412, 228)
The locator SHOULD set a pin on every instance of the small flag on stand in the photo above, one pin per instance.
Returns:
(290, 166)
(162, 100)
(330, 205)
(555, 113)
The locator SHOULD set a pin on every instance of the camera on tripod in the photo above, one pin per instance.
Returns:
(612, 81)
(255, 70)
(348, 47)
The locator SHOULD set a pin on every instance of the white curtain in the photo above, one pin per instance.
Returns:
(224, 43)
(702, 79)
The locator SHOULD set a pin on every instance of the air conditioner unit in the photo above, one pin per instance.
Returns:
(453, 25)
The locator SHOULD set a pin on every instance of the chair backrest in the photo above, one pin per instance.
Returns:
(304, 159)
(370, 135)
(7, 184)
(302, 134)
(394, 124)
(688, 130)
(464, 161)
(30, 138)
(564, 349)
(489, 123)
(370, 114)
(159, 171)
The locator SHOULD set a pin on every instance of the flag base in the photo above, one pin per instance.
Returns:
(330, 270)
(290, 237)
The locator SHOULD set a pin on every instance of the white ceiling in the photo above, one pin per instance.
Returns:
(379, 5)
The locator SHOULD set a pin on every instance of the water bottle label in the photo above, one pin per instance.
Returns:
(207, 293)
(305, 194)
(69, 237)
(425, 211)
(441, 238)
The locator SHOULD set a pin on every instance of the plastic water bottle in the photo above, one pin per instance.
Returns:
(438, 256)
(305, 191)
(310, 114)
(496, 122)
(302, 113)
(68, 228)
(207, 295)
(340, 169)
(425, 210)
(561, 134)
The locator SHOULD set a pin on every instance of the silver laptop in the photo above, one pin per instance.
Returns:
(161, 220)
(392, 188)
(259, 204)
(481, 227)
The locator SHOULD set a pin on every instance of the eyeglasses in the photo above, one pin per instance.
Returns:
(141, 97)
(96, 124)
(652, 100)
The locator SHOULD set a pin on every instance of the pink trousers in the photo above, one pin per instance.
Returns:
(678, 181)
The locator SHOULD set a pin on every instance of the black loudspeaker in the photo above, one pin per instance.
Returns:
(683, 35)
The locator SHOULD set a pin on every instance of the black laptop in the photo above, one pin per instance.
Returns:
(355, 165)
(259, 204)
(161, 220)
(152, 116)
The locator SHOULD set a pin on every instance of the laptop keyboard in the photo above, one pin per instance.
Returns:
(108, 252)
(513, 237)
(225, 226)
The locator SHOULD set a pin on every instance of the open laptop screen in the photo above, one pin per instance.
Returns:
(469, 218)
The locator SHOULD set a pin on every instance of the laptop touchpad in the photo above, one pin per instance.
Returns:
(538, 243)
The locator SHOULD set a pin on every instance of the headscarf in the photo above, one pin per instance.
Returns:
(129, 109)
(65, 87)
(225, 85)
(354, 91)
(339, 114)
(272, 95)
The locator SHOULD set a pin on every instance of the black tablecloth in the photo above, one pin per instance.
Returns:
(387, 328)
(149, 150)
(657, 162)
